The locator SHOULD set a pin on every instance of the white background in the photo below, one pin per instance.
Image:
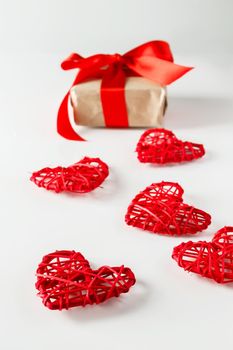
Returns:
(167, 308)
(191, 26)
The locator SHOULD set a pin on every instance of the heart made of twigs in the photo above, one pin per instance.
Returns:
(161, 146)
(160, 209)
(81, 177)
(209, 259)
(65, 279)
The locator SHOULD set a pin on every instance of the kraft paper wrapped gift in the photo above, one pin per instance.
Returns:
(145, 102)
(115, 90)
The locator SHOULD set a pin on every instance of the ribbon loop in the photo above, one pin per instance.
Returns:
(71, 61)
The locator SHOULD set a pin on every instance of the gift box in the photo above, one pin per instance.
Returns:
(145, 103)
(116, 90)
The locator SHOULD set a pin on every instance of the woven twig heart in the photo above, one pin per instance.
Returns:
(160, 209)
(81, 177)
(162, 146)
(65, 279)
(209, 259)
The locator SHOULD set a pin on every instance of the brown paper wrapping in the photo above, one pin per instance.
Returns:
(145, 101)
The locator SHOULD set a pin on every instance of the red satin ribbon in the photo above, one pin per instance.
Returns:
(152, 60)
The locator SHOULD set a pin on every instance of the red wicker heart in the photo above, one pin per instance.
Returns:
(160, 209)
(65, 279)
(161, 146)
(81, 177)
(209, 259)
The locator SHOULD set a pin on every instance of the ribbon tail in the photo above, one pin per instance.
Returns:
(64, 127)
(158, 70)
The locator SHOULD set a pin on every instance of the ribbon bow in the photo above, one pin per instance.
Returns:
(152, 60)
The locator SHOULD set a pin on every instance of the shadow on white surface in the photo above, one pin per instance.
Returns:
(135, 299)
(189, 164)
(187, 112)
(197, 279)
(177, 239)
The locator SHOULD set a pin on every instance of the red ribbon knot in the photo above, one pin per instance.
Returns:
(117, 57)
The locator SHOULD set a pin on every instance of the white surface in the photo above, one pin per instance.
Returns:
(167, 308)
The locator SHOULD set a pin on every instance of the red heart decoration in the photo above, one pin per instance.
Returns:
(81, 177)
(209, 259)
(65, 279)
(162, 146)
(160, 209)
